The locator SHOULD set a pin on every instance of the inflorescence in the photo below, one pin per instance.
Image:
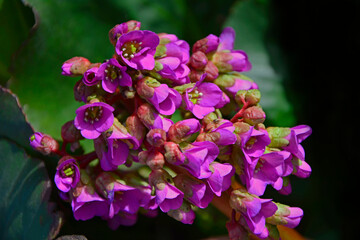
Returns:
(172, 131)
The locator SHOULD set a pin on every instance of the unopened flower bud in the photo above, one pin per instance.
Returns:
(183, 214)
(240, 199)
(251, 97)
(287, 216)
(43, 143)
(173, 153)
(145, 87)
(82, 91)
(152, 158)
(198, 60)
(70, 133)
(120, 29)
(254, 115)
(206, 45)
(183, 130)
(156, 137)
(277, 136)
(231, 61)
(211, 71)
(75, 66)
(135, 127)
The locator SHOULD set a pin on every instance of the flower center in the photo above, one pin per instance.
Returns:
(93, 114)
(195, 95)
(250, 143)
(259, 165)
(112, 73)
(68, 170)
(129, 49)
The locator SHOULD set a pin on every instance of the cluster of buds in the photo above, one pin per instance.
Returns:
(172, 131)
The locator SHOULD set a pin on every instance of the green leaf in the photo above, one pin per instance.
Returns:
(16, 21)
(25, 212)
(13, 123)
(250, 20)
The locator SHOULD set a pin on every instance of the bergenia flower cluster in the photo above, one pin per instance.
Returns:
(174, 127)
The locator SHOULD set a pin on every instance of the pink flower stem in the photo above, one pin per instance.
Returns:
(85, 159)
(240, 113)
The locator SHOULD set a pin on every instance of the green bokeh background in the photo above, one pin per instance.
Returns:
(301, 54)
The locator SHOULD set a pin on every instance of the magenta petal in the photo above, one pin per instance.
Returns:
(227, 38)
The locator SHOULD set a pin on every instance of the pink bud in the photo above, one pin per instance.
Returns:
(198, 60)
(75, 66)
(70, 133)
(254, 115)
(156, 137)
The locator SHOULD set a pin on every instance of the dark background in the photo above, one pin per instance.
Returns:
(321, 43)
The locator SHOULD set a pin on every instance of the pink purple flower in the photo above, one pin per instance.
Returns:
(88, 204)
(171, 59)
(90, 76)
(199, 155)
(254, 209)
(268, 169)
(93, 119)
(183, 214)
(67, 174)
(120, 29)
(168, 196)
(220, 179)
(202, 98)
(137, 49)
(113, 75)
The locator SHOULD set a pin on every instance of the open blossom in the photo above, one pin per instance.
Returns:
(164, 99)
(168, 196)
(93, 119)
(87, 203)
(119, 196)
(198, 157)
(202, 98)
(183, 214)
(195, 191)
(220, 131)
(137, 49)
(171, 58)
(267, 169)
(67, 174)
(112, 75)
(118, 146)
(254, 209)
(220, 179)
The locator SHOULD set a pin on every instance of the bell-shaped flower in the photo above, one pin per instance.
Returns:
(198, 157)
(67, 174)
(112, 75)
(202, 98)
(254, 209)
(93, 119)
(219, 131)
(137, 48)
(195, 191)
(183, 214)
(220, 179)
(168, 197)
(86, 202)
(115, 150)
(266, 170)
(164, 99)
(171, 57)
